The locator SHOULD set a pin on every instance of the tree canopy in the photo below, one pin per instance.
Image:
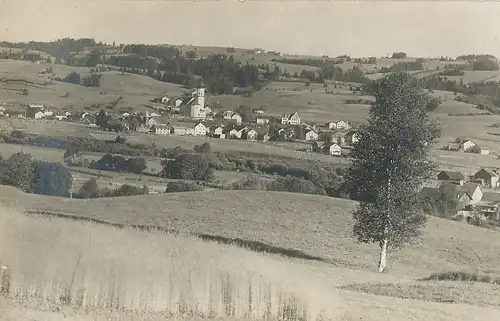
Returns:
(390, 164)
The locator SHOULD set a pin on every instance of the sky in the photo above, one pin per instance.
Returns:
(356, 28)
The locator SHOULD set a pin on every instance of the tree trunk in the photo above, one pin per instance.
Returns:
(383, 256)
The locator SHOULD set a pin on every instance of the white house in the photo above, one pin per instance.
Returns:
(177, 102)
(333, 149)
(311, 135)
(341, 124)
(231, 115)
(252, 135)
(217, 131)
(331, 125)
(39, 115)
(262, 121)
(290, 119)
(163, 130)
(164, 100)
(200, 130)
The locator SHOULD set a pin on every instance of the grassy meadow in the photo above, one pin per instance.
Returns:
(56, 262)
(148, 275)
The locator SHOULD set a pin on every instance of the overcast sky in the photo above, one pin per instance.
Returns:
(358, 28)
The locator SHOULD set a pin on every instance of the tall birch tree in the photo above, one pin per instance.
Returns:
(390, 163)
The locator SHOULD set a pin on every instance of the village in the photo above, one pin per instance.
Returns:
(191, 116)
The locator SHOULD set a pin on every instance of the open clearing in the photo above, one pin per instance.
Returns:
(313, 224)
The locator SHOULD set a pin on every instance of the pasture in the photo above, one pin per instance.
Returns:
(135, 89)
(349, 289)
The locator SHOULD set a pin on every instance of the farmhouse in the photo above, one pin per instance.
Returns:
(237, 132)
(251, 135)
(231, 115)
(200, 130)
(266, 137)
(339, 138)
(332, 149)
(453, 176)
(486, 177)
(479, 150)
(462, 144)
(341, 124)
(311, 135)
(490, 205)
(262, 120)
(39, 115)
(163, 129)
(217, 131)
(290, 119)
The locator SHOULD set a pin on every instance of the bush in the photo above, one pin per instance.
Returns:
(186, 166)
(180, 186)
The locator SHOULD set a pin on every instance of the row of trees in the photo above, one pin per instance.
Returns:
(92, 80)
(90, 189)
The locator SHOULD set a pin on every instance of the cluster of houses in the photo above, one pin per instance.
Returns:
(195, 118)
(472, 193)
(464, 144)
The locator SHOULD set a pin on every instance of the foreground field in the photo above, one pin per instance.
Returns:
(316, 227)
(64, 271)
(63, 264)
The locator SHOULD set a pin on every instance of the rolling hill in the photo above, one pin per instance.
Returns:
(305, 226)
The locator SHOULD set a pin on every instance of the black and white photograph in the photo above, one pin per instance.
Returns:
(249, 160)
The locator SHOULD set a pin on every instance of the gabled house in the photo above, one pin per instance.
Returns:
(332, 149)
(231, 115)
(486, 177)
(217, 131)
(237, 132)
(331, 125)
(200, 130)
(489, 205)
(459, 194)
(311, 135)
(251, 135)
(339, 138)
(163, 129)
(342, 124)
(262, 120)
(290, 119)
(39, 115)
(265, 138)
(453, 176)
(464, 144)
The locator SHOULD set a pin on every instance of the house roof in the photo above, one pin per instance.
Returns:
(453, 175)
(491, 198)
(470, 187)
(489, 171)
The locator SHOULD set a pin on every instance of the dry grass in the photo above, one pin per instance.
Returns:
(479, 294)
(313, 226)
(64, 263)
